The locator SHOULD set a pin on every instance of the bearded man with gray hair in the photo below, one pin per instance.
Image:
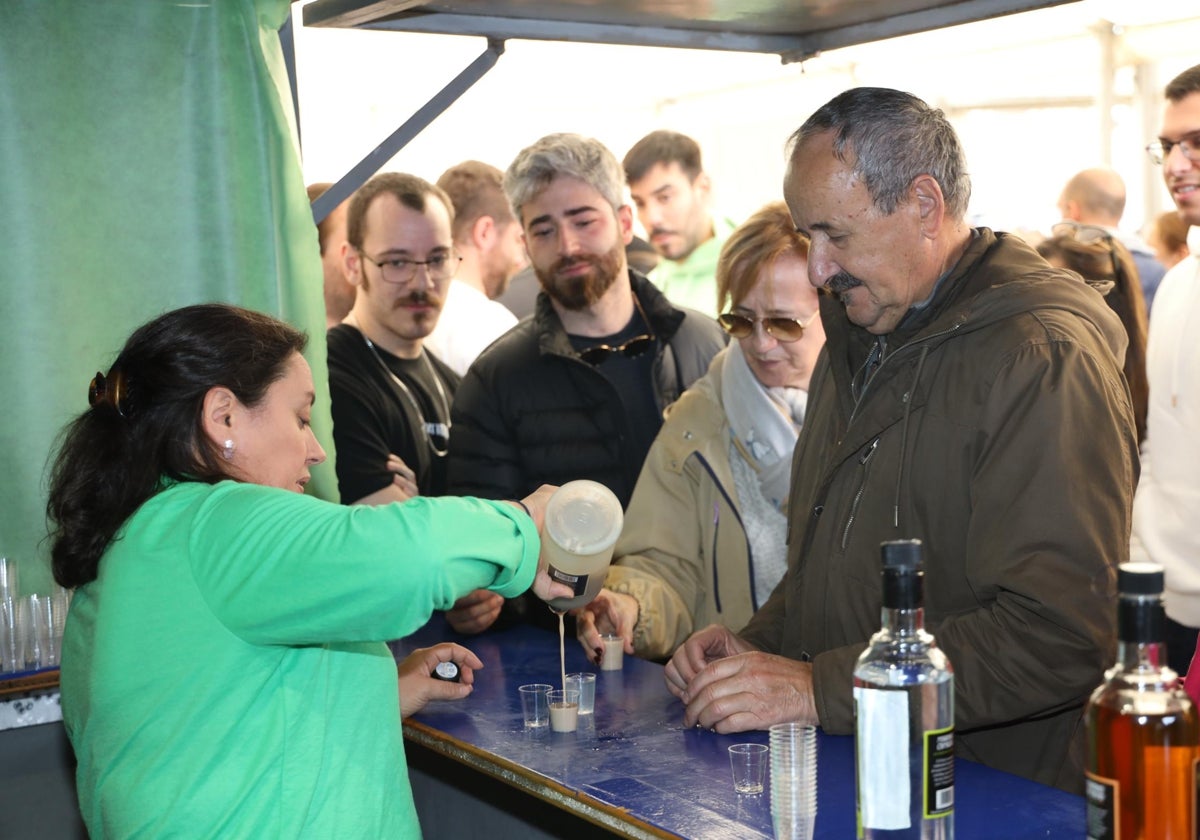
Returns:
(579, 389)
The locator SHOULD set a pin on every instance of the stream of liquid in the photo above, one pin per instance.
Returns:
(562, 653)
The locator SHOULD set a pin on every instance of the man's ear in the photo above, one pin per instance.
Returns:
(625, 223)
(931, 204)
(352, 265)
(702, 184)
(483, 233)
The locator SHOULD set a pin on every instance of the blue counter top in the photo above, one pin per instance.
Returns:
(636, 770)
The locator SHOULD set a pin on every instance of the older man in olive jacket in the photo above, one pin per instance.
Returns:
(969, 396)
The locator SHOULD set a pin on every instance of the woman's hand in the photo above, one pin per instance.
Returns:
(608, 613)
(543, 586)
(417, 685)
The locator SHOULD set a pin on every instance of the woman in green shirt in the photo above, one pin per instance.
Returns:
(224, 671)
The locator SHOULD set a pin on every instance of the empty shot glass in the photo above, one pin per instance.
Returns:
(748, 763)
(535, 704)
(585, 684)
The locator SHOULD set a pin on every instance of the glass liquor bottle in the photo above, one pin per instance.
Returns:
(904, 714)
(1142, 727)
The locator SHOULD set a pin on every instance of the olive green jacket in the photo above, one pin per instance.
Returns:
(997, 430)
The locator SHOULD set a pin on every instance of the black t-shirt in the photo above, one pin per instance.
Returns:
(633, 379)
(374, 416)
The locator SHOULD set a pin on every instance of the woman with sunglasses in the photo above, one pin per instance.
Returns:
(705, 529)
(1096, 256)
(224, 671)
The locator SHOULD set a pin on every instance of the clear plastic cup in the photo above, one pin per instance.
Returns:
(535, 704)
(564, 710)
(613, 656)
(585, 684)
(748, 763)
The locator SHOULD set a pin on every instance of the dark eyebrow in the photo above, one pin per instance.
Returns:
(662, 189)
(574, 211)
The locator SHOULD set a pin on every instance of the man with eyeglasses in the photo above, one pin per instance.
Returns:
(389, 396)
(969, 396)
(1096, 197)
(579, 389)
(1167, 503)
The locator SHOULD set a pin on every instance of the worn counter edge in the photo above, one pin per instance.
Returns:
(617, 820)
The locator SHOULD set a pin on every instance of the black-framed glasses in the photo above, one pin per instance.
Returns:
(1160, 150)
(634, 347)
(400, 270)
(780, 329)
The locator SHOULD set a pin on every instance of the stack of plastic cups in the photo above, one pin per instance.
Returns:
(793, 780)
(9, 649)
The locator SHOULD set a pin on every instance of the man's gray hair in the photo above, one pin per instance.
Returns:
(890, 138)
(556, 155)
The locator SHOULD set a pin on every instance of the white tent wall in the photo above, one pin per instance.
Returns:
(1036, 97)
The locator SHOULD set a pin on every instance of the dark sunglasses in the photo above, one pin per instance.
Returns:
(781, 329)
(601, 353)
(635, 346)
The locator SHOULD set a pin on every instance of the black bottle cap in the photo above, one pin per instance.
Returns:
(903, 574)
(1140, 579)
(901, 555)
(446, 671)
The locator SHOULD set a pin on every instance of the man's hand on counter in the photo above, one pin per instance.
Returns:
(417, 684)
(728, 686)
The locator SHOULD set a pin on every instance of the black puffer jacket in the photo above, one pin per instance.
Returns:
(530, 412)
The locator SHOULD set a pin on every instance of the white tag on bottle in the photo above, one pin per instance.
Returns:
(884, 794)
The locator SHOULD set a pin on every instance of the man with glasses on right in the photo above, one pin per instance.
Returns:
(579, 389)
(1168, 494)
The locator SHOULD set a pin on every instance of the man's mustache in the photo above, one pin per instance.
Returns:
(843, 281)
(419, 299)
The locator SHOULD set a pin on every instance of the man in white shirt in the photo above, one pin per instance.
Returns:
(1168, 495)
(490, 243)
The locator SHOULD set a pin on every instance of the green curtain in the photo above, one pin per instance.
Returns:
(148, 158)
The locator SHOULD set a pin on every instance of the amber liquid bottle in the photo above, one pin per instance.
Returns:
(1143, 731)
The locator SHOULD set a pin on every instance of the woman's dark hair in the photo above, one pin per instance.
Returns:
(1106, 259)
(145, 422)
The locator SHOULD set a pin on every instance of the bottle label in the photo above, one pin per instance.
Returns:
(882, 746)
(576, 582)
(939, 772)
(1103, 804)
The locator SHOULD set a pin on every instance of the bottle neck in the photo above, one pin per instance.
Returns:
(1141, 655)
(1140, 632)
(903, 621)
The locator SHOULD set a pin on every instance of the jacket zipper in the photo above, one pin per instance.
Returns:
(862, 486)
(883, 361)
(716, 538)
(737, 515)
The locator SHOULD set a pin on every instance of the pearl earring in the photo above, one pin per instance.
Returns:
(228, 451)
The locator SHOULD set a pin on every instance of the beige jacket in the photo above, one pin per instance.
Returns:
(683, 553)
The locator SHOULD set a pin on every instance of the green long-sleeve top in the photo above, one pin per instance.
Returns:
(226, 675)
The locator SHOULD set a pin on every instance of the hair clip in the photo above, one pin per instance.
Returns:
(108, 389)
